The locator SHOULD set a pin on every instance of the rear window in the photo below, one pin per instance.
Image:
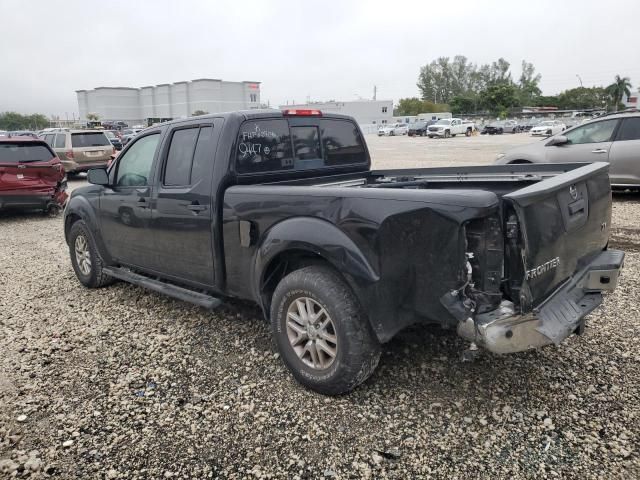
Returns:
(89, 139)
(271, 146)
(21, 152)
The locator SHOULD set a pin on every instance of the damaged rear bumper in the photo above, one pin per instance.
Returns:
(504, 330)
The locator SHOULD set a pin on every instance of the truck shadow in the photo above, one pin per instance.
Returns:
(15, 215)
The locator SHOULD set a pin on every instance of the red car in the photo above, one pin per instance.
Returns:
(31, 175)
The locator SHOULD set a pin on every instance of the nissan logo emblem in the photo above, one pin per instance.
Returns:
(573, 191)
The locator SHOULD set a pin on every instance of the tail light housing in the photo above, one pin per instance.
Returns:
(292, 112)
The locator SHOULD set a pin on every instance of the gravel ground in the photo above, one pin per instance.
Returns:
(123, 383)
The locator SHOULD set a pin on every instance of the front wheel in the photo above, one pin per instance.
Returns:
(85, 258)
(447, 134)
(322, 332)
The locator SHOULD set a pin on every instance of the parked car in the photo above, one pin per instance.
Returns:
(281, 208)
(548, 128)
(450, 127)
(31, 176)
(389, 129)
(128, 134)
(493, 128)
(419, 128)
(80, 150)
(527, 125)
(610, 138)
(401, 129)
(114, 138)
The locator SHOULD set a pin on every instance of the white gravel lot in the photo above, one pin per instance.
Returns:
(123, 383)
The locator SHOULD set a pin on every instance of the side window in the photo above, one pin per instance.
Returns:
(60, 140)
(177, 170)
(189, 153)
(630, 129)
(49, 139)
(203, 154)
(264, 146)
(592, 132)
(342, 143)
(134, 167)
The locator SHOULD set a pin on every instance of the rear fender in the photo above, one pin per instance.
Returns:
(320, 238)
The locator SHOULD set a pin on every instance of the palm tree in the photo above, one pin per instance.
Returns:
(618, 89)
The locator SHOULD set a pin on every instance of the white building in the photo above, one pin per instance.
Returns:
(366, 112)
(167, 101)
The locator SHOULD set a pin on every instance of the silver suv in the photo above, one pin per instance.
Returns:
(611, 138)
(80, 150)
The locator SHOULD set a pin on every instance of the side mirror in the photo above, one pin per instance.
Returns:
(558, 140)
(98, 176)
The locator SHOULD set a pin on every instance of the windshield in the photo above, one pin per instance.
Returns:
(110, 134)
(89, 139)
(419, 124)
(545, 124)
(24, 152)
(443, 121)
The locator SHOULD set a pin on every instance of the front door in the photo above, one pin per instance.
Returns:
(587, 143)
(183, 205)
(125, 207)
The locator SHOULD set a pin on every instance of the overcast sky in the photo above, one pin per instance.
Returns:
(298, 49)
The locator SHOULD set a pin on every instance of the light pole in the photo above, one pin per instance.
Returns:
(579, 79)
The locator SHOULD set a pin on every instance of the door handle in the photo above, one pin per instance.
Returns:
(197, 208)
(599, 150)
(142, 203)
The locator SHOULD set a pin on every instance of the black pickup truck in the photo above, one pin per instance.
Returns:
(283, 209)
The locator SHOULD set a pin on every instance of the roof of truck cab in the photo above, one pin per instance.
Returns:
(255, 114)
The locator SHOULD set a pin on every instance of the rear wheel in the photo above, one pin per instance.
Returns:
(321, 331)
(467, 133)
(85, 258)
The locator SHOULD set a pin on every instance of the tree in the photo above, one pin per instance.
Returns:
(199, 112)
(618, 89)
(443, 79)
(582, 98)
(16, 121)
(93, 117)
(499, 98)
(528, 84)
(463, 104)
(415, 106)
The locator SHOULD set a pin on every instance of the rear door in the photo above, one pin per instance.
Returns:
(182, 216)
(625, 154)
(590, 142)
(563, 222)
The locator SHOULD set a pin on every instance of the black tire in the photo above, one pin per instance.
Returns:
(357, 349)
(447, 134)
(453, 134)
(95, 278)
(500, 132)
(467, 133)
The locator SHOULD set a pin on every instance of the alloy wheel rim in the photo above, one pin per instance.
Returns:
(311, 333)
(83, 257)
